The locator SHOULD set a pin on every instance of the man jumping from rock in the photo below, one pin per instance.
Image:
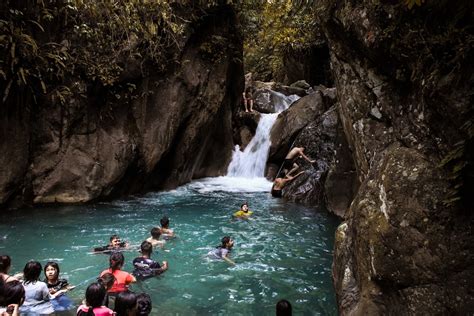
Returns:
(289, 162)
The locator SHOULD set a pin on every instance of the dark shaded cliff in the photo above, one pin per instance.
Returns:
(157, 126)
(404, 88)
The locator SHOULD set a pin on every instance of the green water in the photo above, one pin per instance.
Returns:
(283, 251)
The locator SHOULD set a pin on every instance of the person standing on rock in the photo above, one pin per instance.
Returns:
(247, 97)
(289, 162)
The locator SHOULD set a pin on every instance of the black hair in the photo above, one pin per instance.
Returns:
(283, 308)
(116, 261)
(225, 240)
(32, 271)
(13, 292)
(107, 280)
(114, 237)
(95, 294)
(146, 248)
(125, 302)
(155, 232)
(144, 305)
(165, 221)
(244, 204)
(5, 263)
(51, 264)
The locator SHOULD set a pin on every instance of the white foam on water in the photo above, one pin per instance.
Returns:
(230, 184)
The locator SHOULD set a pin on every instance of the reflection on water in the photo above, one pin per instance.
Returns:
(283, 251)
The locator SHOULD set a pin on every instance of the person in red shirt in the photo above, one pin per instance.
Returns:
(122, 278)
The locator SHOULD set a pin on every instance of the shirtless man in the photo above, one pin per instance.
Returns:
(280, 183)
(289, 161)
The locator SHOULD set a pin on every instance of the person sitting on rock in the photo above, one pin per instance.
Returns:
(289, 162)
(248, 101)
(280, 183)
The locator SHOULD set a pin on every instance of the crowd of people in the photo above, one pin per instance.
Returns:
(27, 294)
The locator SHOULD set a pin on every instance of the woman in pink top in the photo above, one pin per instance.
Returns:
(122, 278)
(95, 295)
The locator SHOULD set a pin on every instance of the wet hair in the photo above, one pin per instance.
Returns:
(95, 295)
(5, 263)
(114, 237)
(116, 261)
(32, 271)
(244, 204)
(283, 308)
(225, 240)
(165, 221)
(124, 303)
(155, 232)
(143, 304)
(107, 280)
(52, 264)
(146, 248)
(12, 292)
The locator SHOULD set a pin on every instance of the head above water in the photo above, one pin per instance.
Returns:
(5, 263)
(155, 232)
(95, 294)
(164, 221)
(32, 271)
(107, 280)
(146, 248)
(144, 304)
(283, 308)
(227, 242)
(13, 292)
(51, 270)
(126, 304)
(244, 207)
(116, 261)
(114, 241)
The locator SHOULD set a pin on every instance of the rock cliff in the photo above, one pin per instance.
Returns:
(404, 88)
(176, 127)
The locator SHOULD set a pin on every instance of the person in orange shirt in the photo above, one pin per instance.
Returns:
(122, 278)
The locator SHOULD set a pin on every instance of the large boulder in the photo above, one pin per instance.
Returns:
(159, 129)
(270, 101)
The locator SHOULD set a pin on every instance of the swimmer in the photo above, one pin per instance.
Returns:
(122, 278)
(222, 251)
(93, 305)
(57, 287)
(280, 183)
(244, 211)
(5, 264)
(107, 280)
(165, 230)
(145, 267)
(115, 244)
(155, 236)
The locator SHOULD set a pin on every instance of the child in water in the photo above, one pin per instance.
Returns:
(95, 295)
(244, 211)
(222, 251)
(57, 287)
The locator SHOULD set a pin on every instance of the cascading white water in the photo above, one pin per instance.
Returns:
(251, 162)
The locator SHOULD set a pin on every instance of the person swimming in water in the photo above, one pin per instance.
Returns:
(115, 244)
(222, 251)
(165, 230)
(244, 211)
(155, 236)
(280, 183)
(145, 267)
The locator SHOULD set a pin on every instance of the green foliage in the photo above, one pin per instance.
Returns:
(46, 43)
(272, 29)
(411, 3)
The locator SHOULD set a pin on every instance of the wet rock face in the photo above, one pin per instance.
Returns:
(403, 247)
(176, 128)
(244, 127)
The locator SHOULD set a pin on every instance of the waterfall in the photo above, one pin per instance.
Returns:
(251, 162)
